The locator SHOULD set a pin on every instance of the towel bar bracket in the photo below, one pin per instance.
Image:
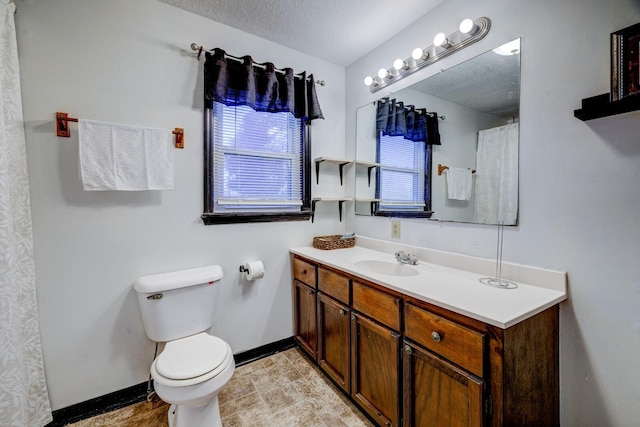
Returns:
(62, 124)
(179, 133)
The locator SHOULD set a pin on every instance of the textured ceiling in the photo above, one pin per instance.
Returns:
(339, 31)
(488, 83)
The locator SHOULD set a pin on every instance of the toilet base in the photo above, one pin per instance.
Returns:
(189, 416)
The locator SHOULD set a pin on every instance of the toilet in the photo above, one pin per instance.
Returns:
(178, 309)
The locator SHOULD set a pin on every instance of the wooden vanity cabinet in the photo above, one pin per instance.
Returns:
(375, 351)
(515, 369)
(304, 317)
(438, 393)
(304, 303)
(408, 362)
(334, 337)
(443, 366)
(375, 363)
(334, 326)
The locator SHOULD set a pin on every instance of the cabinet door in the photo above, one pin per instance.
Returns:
(436, 393)
(334, 325)
(375, 367)
(304, 313)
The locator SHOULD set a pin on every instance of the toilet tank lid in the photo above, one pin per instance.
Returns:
(178, 279)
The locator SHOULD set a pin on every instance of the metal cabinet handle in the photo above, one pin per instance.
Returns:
(310, 292)
(304, 271)
(435, 336)
(407, 349)
(342, 312)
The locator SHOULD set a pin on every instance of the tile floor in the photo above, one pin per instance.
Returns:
(282, 390)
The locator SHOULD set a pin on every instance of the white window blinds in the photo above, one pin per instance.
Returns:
(402, 171)
(257, 160)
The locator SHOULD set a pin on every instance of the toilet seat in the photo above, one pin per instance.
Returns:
(191, 360)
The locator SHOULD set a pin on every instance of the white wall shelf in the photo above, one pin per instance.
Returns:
(340, 162)
(340, 201)
(370, 166)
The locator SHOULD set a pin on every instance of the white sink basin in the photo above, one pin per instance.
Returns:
(386, 268)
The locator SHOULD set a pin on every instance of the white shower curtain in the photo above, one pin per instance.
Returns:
(24, 401)
(496, 197)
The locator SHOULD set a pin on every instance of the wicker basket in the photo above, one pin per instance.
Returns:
(333, 242)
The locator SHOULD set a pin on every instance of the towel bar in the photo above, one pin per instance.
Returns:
(62, 129)
(442, 168)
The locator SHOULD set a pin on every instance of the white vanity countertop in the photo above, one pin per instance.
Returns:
(455, 289)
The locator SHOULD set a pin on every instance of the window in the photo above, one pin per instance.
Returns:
(403, 180)
(258, 166)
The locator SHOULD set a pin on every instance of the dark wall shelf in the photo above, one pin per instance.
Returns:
(601, 106)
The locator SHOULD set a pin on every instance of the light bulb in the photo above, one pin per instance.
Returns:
(417, 53)
(399, 64)
(368, 81)
(382, 73)
(468, 27)
(440, 40)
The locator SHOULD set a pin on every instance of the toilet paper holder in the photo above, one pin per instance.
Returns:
(252, 270)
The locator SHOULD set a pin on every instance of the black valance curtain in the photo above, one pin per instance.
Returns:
(240, 81)
(394, 119)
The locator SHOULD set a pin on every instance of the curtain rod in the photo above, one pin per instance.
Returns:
(199, 48)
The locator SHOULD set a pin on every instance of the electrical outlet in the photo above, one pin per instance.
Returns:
(395, 228)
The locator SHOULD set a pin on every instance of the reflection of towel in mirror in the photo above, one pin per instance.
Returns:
(459, 184)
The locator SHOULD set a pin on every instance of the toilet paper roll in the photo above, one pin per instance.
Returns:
(254, 270)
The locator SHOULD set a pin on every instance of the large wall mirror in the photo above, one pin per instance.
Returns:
(472, 176)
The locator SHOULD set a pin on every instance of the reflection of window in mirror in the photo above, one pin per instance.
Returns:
(404, 136)
(403, 185)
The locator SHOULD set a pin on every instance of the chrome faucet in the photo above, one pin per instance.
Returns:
(406, 258)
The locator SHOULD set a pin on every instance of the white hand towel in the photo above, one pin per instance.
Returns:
(124, 157)
(459, 183)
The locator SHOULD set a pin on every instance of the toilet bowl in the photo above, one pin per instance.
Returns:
(188, 374)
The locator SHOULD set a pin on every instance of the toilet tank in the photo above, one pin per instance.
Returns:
(180, 303)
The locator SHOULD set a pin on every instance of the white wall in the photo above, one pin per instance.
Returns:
(579, 186)
(130, 62)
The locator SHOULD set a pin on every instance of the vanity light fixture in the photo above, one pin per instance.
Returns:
(468, 33)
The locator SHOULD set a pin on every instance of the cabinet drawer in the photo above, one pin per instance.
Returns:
(304, 271)
(456, 343)
(333, 284)
(378, 305)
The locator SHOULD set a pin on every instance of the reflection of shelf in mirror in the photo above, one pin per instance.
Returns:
(371, 202)
(340, 201)
(370, 166)
(340, 162)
